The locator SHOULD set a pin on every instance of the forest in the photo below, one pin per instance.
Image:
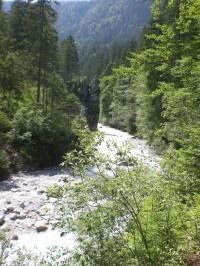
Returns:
(129, 215)
(40, 115)
(100, 28)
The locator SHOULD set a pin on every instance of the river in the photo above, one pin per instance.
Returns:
(30, 188)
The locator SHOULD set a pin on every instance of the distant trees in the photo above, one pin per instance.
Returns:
(17, 23)
(99, 60)
(101, 30)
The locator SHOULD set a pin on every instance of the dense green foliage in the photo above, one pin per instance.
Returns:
(39, 115)
(164, 76)
(130, 215)
(5, 126)
(162, 99)
(126, 213)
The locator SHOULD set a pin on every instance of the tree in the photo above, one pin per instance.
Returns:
(32, 26)
(43, 37)
(16, 24)
(69, 60)
(3, 21)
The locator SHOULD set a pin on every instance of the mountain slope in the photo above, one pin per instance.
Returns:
(100, 21)
(103, 21)
(100, 28)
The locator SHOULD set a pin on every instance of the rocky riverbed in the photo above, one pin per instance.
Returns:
(25, 209)
(24, 205)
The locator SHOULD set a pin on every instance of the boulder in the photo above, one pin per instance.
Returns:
(41, 226)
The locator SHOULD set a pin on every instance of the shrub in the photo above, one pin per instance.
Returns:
(5, 126)
(4, 165)
(124, 213)
(42, 138)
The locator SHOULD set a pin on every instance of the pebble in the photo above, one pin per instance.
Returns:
(22, 204)
(21, 216)
(16, 211)
(2, 220)
(4, 210)
(10, 209)
(14, 237)
(41, 191)
(15, 189)
(41, 226)
(53, 200)
(13, 216)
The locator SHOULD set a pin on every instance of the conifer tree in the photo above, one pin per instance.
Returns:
(69, 59)
(2, 20)
(32, 26)
(44, 41)
(17, 24)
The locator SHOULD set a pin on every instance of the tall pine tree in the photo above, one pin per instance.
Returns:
(69, 60)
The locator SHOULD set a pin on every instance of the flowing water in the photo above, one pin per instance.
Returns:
(38, 242)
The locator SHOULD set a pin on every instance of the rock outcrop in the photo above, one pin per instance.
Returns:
(89, 98)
